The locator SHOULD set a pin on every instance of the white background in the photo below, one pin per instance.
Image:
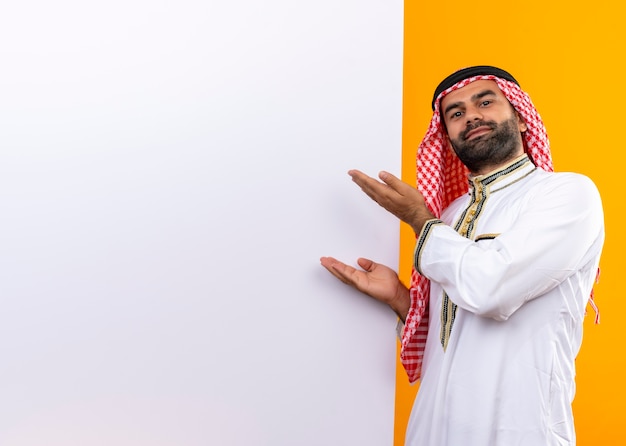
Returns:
(170, 174)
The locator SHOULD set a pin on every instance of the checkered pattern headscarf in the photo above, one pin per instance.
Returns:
(442, 178)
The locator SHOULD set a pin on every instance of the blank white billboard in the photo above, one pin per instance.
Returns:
(170, 174)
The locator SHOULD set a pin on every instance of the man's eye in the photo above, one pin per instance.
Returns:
(456, 114)
(485, 103)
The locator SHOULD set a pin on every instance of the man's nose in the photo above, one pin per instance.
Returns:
(473, 114)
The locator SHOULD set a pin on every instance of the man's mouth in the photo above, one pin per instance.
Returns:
(476, 132)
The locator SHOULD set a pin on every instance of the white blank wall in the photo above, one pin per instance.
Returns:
(170, 174)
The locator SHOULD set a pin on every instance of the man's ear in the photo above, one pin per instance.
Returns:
(521, 124)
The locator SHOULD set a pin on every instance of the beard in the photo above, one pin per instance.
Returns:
(494, 148)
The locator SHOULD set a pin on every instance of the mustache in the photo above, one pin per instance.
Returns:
(491, 124)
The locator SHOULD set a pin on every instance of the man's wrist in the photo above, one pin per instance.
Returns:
(421, 221)
(401, 303)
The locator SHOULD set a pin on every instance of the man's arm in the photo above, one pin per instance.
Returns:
(558, 233)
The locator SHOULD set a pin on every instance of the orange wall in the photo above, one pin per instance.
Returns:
(569, 60)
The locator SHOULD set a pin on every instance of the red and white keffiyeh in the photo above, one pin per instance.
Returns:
(441, 179)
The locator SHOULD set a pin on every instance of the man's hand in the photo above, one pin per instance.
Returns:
(399, 198)
(375, 280)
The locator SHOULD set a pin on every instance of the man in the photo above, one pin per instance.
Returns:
(506, 257)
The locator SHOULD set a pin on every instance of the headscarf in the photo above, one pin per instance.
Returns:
(442, 178)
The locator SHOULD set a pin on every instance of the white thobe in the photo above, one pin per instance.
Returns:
(521, 282)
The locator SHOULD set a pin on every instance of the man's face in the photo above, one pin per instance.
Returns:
(482, 126)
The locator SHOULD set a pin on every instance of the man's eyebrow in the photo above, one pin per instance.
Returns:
(482, 94)
(451, 106)
(474, 98)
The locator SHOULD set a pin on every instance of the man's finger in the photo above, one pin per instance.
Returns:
(371, 186)
(366, 264)
(338, 269)
(362, 179)
(394, 182)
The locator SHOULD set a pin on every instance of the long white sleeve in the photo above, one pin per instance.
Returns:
(528, 248)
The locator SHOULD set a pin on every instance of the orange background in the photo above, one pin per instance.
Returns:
(569, 59)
